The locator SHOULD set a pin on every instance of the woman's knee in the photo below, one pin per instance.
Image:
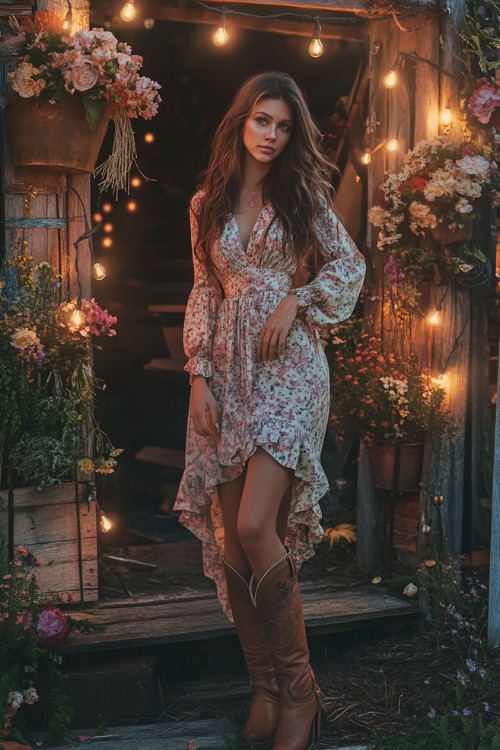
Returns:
(252, 533)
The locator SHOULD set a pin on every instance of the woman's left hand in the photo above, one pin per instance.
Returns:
(275, 330)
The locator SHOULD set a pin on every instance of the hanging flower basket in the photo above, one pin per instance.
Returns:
(443, 234)
(52, 136)
(382, 461)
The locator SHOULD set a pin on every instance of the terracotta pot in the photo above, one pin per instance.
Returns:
(55, 137)
(447, 236)
(383, 464)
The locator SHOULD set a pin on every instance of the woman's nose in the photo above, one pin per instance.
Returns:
(271, 133)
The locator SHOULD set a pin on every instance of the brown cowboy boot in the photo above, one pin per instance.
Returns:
(279, 605)
(263, 716)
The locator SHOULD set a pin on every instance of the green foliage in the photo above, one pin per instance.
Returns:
(440, 735)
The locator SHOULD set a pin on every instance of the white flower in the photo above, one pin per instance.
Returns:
(23, 337)
(30, 696)
(474, 165)
(410, 590)
(15, 699)
(463, 206)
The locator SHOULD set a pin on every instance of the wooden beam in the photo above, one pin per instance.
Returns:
(494, 594)
(357, 7)
(349, 33)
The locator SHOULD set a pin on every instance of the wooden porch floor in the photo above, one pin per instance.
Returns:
(174, 602)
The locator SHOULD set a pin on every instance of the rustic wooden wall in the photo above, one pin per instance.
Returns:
(411, 112)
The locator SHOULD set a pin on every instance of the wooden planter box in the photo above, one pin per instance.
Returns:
(45, 522)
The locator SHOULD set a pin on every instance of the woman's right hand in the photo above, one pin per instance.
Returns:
(204, 409)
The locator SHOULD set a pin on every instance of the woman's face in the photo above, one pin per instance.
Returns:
(268, 129)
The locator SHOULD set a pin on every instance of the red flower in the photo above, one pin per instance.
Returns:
(413, 184)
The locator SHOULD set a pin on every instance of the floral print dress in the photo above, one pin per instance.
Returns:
(281, 405)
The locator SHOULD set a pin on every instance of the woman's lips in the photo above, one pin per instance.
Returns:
(267, 149)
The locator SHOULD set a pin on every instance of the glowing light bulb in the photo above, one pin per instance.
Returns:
(107, 242)
(367, 157)
(442, 380)
(97, 217)
(316, 45)
(136, 182)
(107, 207)
(393, 145)
(99, 272)
(435, 318)
(108, 227)
(391, 79)
(149, 138)
(132, 206)
(77, 318)
(105, 523)
(128, 12)
(446, 117)
(221, 36)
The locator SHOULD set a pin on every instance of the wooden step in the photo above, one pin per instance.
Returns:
(166, 365)
(157, 309)
(155, 454)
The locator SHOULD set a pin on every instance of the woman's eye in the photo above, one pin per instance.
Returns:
(261, 120)
(285, 126)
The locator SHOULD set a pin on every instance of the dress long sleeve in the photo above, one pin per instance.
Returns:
(201, 311)
(331, 296)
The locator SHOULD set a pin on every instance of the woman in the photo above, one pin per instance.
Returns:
(260, 385)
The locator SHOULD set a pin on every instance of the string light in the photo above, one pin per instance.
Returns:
(108, 227)
(446, 117)
(316, 45)
(98, 272)
(107, 207)
(149, 138)
(391, 78)
(136, 182)
(132, 206)
(393, 145)
(97, 217)
(221, 36)
(68, 19)
(367, 157)
(107, 242)
(77, 318)
(442, 380)
(128, 12)
(105, 523)
(435, 318)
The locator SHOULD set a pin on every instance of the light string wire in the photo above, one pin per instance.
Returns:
(289, 14)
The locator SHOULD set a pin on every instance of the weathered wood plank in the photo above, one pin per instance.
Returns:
(494, 593)
(56, 494)
(59, 524)
(196, 620)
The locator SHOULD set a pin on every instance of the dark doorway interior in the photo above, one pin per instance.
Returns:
(149, 261)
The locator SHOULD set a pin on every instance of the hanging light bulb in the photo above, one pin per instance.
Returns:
(221, 36)
(99, 272)
(105, 523)
(393, 145)
(367, 157)
(132, 206)
(442, 380)
(435, 318)
(97, 217)
(77, 318)
(128, 12)
(316, 45)
(391, 78)
(68, 19)
(446, 117)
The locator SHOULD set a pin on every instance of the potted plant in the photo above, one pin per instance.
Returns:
(388, 402)
(427, 213)
(67, 88)
(48, 428)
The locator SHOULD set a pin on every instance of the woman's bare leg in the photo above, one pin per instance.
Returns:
(230, 497)
(265, 486)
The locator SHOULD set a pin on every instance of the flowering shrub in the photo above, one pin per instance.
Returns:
(29, 624)
(378, 397)
(479, 36)
(47, 383)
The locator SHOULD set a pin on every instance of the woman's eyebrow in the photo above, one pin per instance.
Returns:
(261, 112)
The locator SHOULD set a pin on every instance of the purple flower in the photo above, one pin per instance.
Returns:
(393, 272)
(52, 628)
(467, 712)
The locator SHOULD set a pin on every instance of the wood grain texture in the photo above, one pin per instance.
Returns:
(170, 622)
(494, 593)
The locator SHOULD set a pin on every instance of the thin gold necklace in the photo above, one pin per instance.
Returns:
(251, 202)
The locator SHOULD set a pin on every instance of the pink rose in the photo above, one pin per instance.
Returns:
(52, 628)
(84, 76)
(484, 101)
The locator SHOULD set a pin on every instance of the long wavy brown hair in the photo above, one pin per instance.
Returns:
(297, 185)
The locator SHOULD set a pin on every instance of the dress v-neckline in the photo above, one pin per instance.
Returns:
(245, 249)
